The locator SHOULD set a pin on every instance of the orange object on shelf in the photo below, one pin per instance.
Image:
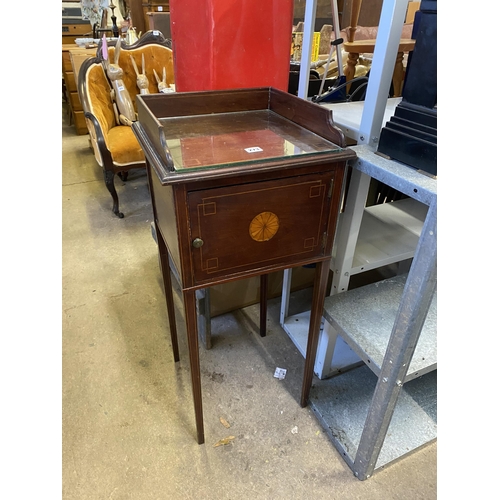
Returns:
(224, 44)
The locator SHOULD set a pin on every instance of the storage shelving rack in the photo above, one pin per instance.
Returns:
(381, 338)
(391, 326)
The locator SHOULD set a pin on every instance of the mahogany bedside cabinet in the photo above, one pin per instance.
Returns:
(243, 182)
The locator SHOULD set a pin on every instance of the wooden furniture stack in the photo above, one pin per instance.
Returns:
(159, 21)
(139, 10)
(70, 78)
(70, 32)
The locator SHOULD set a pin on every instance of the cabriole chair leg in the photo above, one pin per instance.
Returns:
(109, 179)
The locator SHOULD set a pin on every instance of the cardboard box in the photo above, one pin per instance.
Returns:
(242, 293)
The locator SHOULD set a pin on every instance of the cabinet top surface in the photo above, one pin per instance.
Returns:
(189, 136)
(238, 138)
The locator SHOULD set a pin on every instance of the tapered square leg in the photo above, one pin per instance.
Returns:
(194, 360)
(263, 304)
(318, 301)
(169, 298)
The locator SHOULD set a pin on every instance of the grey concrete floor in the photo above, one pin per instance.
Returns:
(128, 422)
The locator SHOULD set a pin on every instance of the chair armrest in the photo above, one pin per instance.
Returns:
(99, 141)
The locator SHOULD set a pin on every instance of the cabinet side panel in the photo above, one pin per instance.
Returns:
(165, 217)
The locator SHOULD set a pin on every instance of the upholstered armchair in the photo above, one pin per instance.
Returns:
(115, 146)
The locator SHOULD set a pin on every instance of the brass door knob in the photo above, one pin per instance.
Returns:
(197, 243)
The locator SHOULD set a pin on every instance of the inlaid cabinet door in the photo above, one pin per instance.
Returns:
(237, 228)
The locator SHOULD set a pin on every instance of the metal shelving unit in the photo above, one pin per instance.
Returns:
(369, 238)
(379, 340)
(388, 234)
(365, 317)
(391, 326)
(342, 406)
